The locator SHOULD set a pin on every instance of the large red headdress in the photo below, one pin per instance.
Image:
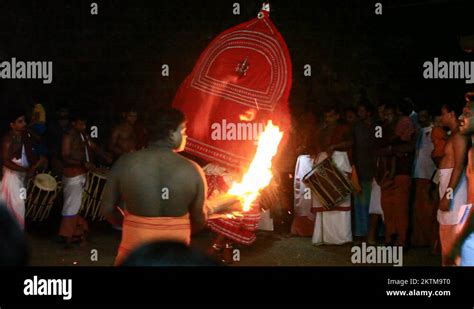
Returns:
(240, 81)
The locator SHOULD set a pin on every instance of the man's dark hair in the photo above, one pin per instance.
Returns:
(166, 120)
(391, 107)
(331, 108)
(63, 110)
(406, 106)
(367, 105)
(78, 116)
(350, 109)
(429, 109)
(451, 107)
(13, 247)
(15, 113)
(167, 254)
(129, 109)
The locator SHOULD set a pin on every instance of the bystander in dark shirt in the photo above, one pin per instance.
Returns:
(364, 150)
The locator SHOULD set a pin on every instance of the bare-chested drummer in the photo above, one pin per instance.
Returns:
(123, 138)
(452, 186)
(78, 152)
(164, 193)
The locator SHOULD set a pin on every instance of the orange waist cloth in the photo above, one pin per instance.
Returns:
(138, 230)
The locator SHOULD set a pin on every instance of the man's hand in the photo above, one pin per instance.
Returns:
(89, 166)
(330, 151)
(42, 163)
(444, 204)
(223, 204)
(108, 157)
(30, 171)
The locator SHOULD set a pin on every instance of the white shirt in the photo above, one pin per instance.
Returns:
(424, 166)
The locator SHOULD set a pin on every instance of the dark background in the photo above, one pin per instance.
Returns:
(106, 62)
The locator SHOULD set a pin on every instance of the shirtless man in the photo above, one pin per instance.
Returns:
(464, 245)
(77, 154)
(159, 187)
(18, 163)
(452, 187)
(123, 138)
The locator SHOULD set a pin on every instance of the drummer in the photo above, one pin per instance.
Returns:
(124, 138)
(78, 156)
(18, 163)
(333, 141)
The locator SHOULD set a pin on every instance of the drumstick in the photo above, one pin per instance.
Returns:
(120, 210)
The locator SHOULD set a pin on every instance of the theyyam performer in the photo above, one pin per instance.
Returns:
(240, 82)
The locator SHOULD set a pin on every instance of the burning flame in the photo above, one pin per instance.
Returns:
(259, 174)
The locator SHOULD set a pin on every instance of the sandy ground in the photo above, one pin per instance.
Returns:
(270, 249)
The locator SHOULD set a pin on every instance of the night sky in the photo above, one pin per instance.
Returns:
(106, 62)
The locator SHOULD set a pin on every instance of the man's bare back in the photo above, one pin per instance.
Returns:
(156, 182)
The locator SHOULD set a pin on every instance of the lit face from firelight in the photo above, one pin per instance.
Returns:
(179, 137)
(19, 124)
(131, 117)
(467, 124)
(331, 117)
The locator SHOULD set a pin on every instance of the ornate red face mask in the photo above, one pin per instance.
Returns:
(240, 81)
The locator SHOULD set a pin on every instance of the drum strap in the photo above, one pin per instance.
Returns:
(86, 142)
(315, 162)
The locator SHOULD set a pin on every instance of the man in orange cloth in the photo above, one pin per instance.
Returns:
(397, 152)
(164, 193)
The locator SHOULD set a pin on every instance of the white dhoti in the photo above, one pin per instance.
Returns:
(448, 220)
(73, 188)
(334, 227)
(459, 198)
(303, 205)
(14, 194)
(303, 222)
(13, 188)
(375, 206)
